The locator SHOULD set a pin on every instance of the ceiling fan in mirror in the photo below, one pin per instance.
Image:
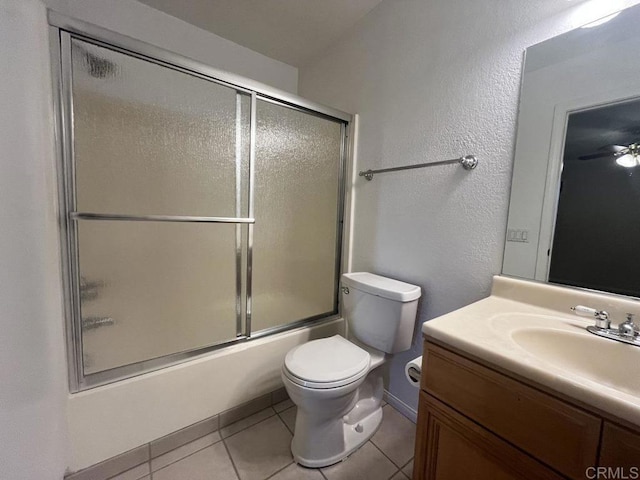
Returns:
(625, 155)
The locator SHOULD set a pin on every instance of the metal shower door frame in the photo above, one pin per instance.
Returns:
(62, 30)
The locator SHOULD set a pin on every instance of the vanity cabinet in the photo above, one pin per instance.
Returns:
(620, 447)
(451, 446)
(475, 422)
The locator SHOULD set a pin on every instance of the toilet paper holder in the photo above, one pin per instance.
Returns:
(413, 371)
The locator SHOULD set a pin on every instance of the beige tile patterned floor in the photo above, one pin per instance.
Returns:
(258, 448)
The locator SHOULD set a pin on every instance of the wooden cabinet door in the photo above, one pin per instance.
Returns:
(451, 447)
(554, 432)
(620, 449)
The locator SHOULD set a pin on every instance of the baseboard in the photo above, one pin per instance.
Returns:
(402, 407)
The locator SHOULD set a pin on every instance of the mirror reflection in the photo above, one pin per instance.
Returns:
(575, 198)
(597, 232)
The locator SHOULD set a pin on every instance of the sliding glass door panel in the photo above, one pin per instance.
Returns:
(297, 194)
(151, 289)
(151, 140)
(147, 145)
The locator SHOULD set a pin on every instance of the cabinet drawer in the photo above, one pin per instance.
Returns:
(516, 412)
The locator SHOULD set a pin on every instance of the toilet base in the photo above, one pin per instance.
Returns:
(355, 435)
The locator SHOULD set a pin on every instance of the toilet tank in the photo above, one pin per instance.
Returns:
(380, 311)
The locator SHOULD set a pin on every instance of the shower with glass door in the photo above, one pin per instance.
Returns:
(196, 211)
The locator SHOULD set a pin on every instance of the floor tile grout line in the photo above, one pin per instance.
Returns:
(398, 472)
(398, 469)
(290, 406)
(385, 455)
(285, 423)
(278, 471)
(249, 426)
(148, 461)
(319, 470)
(289, 430)
(150, 472)
(411, 460)
(322, 473)
(275, 413)
(125, 471)
(263, 420)
(233, 464)
(381, 451)
(182, 458)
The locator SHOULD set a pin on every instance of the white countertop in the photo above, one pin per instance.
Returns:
(486, 329)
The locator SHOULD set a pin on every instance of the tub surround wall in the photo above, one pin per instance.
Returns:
(431, 81)
(223, 422)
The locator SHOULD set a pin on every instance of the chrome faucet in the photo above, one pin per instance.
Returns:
(627, 329)
(625, 332)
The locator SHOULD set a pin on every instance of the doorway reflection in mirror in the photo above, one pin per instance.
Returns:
(597, 232)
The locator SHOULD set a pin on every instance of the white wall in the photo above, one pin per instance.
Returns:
(142, 22)
(43, 430)
(32, 362)
(433, 80)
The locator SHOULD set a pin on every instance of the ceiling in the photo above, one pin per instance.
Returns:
(292, 31)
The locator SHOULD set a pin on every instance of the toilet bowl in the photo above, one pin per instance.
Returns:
(335, 382)
(337, 398)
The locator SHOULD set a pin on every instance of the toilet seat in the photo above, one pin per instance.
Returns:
(326, 363)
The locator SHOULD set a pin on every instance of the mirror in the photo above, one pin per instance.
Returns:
(574, 211)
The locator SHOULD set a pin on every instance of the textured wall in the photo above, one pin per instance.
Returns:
(32, 362)
(433, 80)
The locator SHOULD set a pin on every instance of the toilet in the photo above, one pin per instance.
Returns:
(335, 382)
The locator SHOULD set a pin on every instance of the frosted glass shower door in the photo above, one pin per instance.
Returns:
(167, 287)
(297, 208)
(157, 152)
(198, 209)
(152, 140)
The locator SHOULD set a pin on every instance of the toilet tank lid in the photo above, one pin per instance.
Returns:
(381, 286)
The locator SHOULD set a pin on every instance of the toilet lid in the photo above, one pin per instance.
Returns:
(332, 360)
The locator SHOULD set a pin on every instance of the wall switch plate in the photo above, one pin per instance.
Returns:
(515, 235)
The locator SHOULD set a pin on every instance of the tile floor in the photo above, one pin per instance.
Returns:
(258, 448)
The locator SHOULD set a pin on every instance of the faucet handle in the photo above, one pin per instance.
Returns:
(602, 317)
(628, 328)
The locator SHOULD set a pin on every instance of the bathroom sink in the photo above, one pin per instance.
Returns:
(528, 329)
(607, 362)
